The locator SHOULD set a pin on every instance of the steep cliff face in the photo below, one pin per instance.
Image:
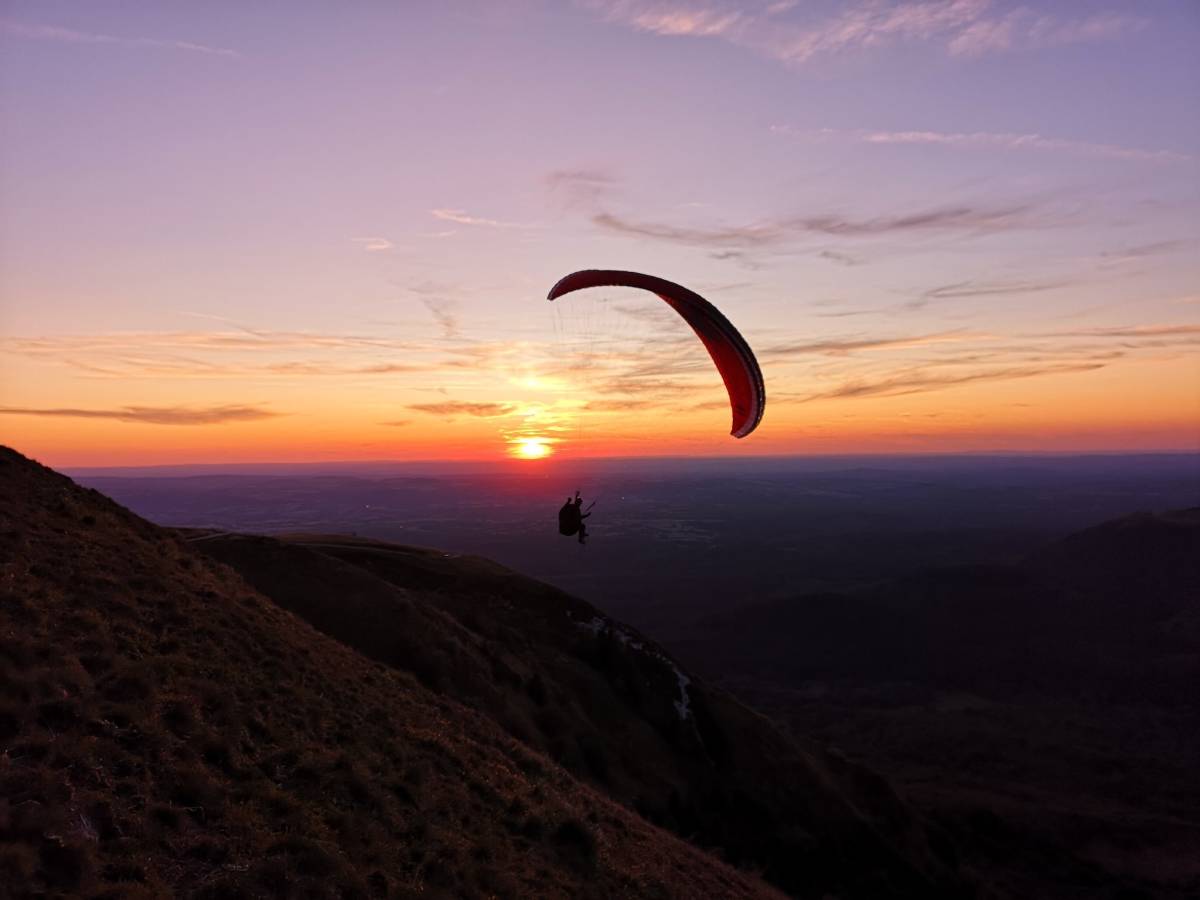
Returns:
(167, 729)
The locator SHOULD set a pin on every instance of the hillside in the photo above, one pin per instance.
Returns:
(166, 729)
(606, 703)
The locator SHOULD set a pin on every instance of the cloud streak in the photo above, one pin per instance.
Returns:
(154, 415)
(969, 289)
(465, 408)
(443, 312)
(920, 382)
(581, 187)
(987, 140)
(374, 244)
(788, 33)
(773, 232)
(462, 217)
(71, 36)
(847, 346)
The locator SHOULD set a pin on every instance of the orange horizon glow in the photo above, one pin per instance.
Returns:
(67, 443)
(522, 401)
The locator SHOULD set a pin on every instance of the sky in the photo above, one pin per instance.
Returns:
(325, 231)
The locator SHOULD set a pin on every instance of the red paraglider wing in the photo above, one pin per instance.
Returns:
(728, 349)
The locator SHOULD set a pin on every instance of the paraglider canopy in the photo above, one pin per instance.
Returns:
(728, 349)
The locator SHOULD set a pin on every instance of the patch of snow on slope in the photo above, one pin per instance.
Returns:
(596, 625)
(682, 705)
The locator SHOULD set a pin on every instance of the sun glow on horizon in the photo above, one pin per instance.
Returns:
(530, 448)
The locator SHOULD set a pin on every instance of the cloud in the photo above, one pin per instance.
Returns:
(248, 352)
(841, 258)
(734, 236)
(70, 36)
(967, 289)
(581, 187)
(397, 423)
(772, 232)
(1141, 251)
(935, 362)
(1131, 331)
(708, 404)
(987, 139)
(641, 385)
(789, 33)
(374, 244)
(443, 311)
(846, 346)
(919, 382)
(740, 257)
(318, 368)
(676, 19)
(462, 217)
(237, 340)
(1023, 29)
(617, 405)
(463, 408)
(155, 415)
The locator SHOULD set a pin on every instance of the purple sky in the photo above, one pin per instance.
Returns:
(950, 205)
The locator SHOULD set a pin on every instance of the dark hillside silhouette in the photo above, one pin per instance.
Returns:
(168, 730)
(605, 702)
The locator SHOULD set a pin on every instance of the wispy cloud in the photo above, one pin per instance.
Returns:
(444, 312)
(581, 187)
(1132, 331)
(772, 232)
(462, 217)
(843, 259)
(1024, 29)
(694, 20)
(867, 366)
(155, 415)
(233, 353)
(967, 289)
(845, 346)
(374, 244)
(465, 408)
(612, 406)
(71, 36)
(240, 339)
(986, 139)
(788, 32)
(920, 382)
(1141, 251)
(741, 257)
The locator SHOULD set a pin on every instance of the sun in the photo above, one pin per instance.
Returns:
(531, 448)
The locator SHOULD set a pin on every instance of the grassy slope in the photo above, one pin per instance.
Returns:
(603, 700)
(165, 728)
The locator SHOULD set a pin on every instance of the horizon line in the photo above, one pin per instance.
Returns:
(535, 465)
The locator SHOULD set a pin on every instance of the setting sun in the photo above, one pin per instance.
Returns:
(531, 448)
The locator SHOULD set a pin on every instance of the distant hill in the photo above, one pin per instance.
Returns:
(170, 725)
(166, 729)
(1109, 611)
(1043, 713)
